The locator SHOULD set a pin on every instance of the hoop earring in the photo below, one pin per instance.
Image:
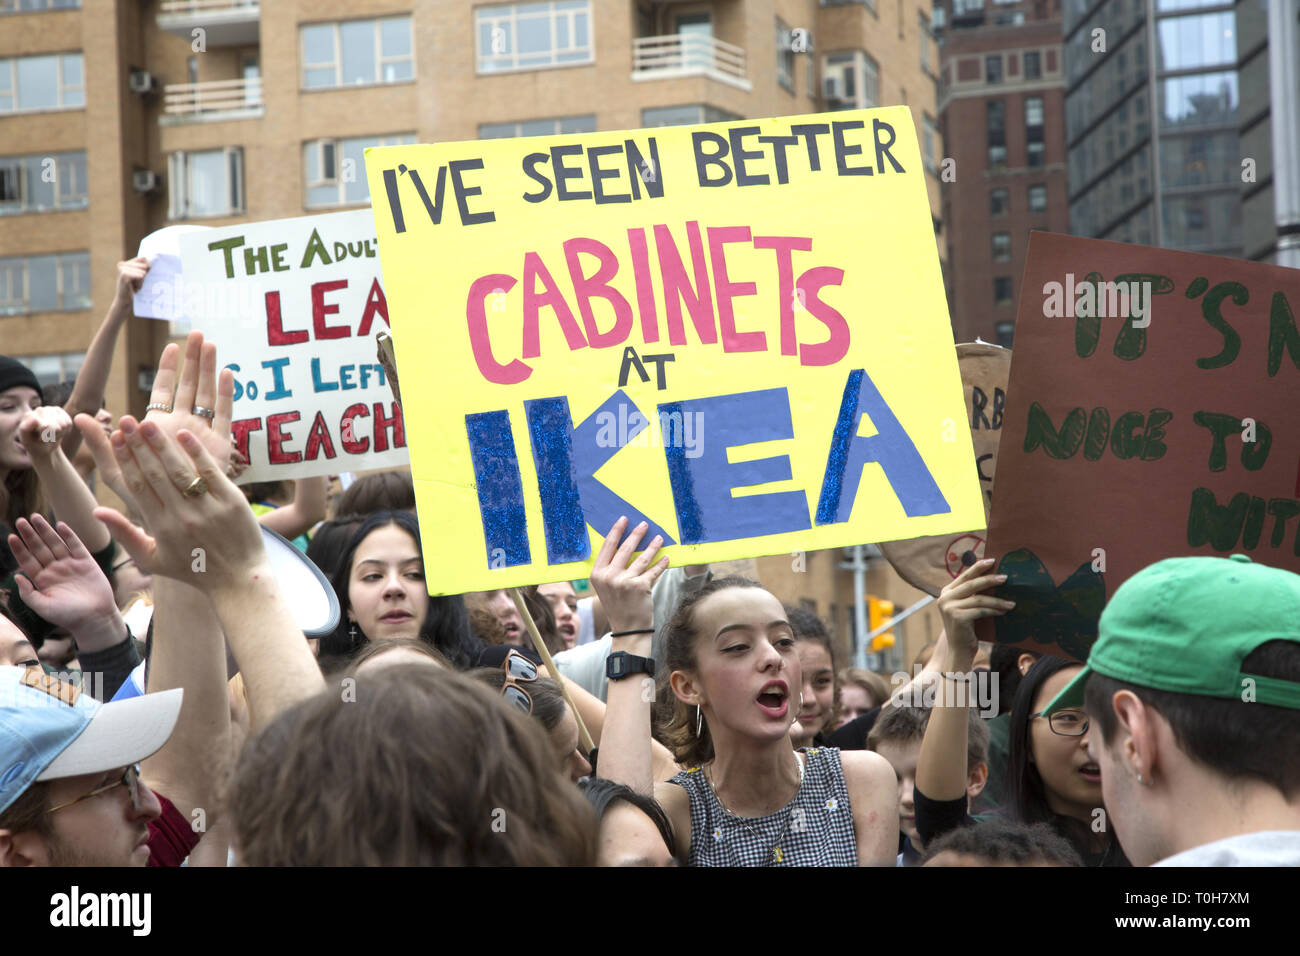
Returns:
(699, 720)
(352, 632)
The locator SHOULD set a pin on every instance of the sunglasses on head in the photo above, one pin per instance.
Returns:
(518, 669)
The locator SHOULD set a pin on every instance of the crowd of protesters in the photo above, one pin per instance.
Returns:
(673, 717)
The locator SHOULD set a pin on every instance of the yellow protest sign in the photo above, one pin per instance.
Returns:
(736, 332)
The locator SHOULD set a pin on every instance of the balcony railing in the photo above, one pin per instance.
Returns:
(688, 54)
(223, 22)
(216, 99)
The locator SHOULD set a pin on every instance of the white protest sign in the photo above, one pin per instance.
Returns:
(162, 294)
(299, 333)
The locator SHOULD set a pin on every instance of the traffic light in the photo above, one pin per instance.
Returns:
(878, 612)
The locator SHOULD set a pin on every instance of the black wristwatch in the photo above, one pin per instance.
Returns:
(621, 664)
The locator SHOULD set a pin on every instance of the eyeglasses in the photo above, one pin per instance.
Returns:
(1066, 723)
(518, 669)
(130, 779)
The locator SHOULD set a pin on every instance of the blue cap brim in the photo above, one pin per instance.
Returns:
(1072, 696)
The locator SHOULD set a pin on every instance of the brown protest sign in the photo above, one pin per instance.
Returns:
(1149, 414)
(931, 562)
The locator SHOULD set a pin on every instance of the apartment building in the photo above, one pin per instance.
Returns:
(1152, 122)
(118, 117)
(1268, 64)
(1001, 98)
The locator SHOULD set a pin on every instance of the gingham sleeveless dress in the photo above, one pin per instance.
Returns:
(814, 829)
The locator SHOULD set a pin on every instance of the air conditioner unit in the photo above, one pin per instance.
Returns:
(142, 82)
(144, 181)
(837, 84)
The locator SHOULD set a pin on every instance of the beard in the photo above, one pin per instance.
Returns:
(69, 853)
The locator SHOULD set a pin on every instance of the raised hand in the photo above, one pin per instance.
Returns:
(201, 401)
(203, 532)
(624, 589)
(963, 602)
(130, 275)
(61, 582)
(171, 408)
(42, 430)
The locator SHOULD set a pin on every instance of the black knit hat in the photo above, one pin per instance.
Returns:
(14, 374)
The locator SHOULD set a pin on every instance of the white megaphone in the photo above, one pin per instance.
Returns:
(310, 596)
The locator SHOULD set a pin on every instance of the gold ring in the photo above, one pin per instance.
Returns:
(196, 487)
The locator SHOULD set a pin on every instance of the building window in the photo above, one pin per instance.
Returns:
(1001, 247)
(41, 83)
(784, 56)
(1033, 65)
(999, 202)
(923, 30)
(1186, 43)
(851, 81)
(1038, 198)
(37, 6)
(930, 137)
(334, 170)
(357, 53)
(33, 6)
(541, 127)
(533, 36)
(42, 183)
(993, 68)
(997, 132)
(1205, 99)
(684, 116)
(1035, 146)
(870, 82)
(1004, 332)
(1002, 290)
(55, 283)
(208, 183)
(53, 369)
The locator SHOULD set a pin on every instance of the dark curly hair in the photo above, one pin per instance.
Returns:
(1004, 842)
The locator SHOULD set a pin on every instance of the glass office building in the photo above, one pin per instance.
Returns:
(1152, 138)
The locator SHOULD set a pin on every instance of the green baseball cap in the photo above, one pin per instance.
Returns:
(1184, 625)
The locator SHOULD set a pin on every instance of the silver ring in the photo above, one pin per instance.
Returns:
(202, 412)
(158, 407)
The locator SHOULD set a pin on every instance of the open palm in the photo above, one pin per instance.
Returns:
(60, 580)
(199, 386)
